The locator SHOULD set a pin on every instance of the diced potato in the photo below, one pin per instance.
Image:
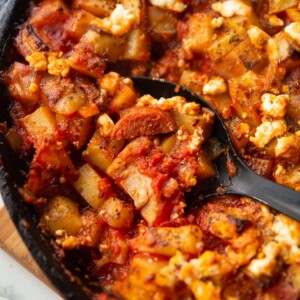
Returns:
(137, 46)
(152, 209)
(89, 110)
(168, 240)
(99, 8)
(79, 23)
(87, 186)
(85, 59)
(101, 152)
(76, 130)
(193, 80)
(206, 168)
(225, 43)
(113, 247)
(145, 266)
(70, 102)
(23, 84)
(163, 23)
(199, 32)
(104, 44)
(40, 125)
(191, 122)
(51, 165)
(168, 143)
(117, 213)
(246, 92)
(293, 14)
(276, 6)
(61, 216)
(125, 98)
(229, 66)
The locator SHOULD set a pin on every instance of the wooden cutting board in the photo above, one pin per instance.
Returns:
(11, 242)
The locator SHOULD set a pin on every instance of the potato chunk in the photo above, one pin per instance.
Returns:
(23, 84)
(40, 125)
(199, 32)
(88, 186)
(99, 8)
(101, 151)
(167, 240)
(117, 213)
(61, 215)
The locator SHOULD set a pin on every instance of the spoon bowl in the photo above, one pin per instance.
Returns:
(244, 182)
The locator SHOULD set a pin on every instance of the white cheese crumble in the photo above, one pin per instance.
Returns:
(106, 124)
(288, 147)
(257, 37)
(274, 106)
(293, 30)
(268, 130)
(231, 8)
(119, 22)
(217, 22)
(174, 5)
(215, 86)
(176, 103)
(265, 262)
(274, 20)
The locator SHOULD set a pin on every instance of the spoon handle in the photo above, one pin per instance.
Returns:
(248, 183)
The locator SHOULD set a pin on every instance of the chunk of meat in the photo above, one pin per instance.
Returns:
(27, 42)
(48, 21)
(143, 121)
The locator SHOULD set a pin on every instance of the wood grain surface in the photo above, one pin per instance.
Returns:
(11, 242)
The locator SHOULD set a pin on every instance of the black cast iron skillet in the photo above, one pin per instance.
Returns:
(63, 273)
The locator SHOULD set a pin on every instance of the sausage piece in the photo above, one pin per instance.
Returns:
(143, 121)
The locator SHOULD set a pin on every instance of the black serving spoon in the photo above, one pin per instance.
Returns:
(245, 182)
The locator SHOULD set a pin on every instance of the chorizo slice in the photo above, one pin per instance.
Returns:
(143, 121)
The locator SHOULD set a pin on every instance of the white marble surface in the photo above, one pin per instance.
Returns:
(16, 283)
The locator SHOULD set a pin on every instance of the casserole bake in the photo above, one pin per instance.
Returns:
(107, 168)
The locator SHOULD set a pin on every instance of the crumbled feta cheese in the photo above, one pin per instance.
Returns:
(232, 7)
(268, 130)
(196, 140)
(293, 30)
(289, 176)
(119, 22)
(58, 66)
(38, 61)
(284, 44)
(288, 236)
(273, 20)
(176, 103)
(106, 124)
(266, 260)
(274, 106)
(257, 37)
(288, 147)
(174, 5)
(217, 22)
(215, 86)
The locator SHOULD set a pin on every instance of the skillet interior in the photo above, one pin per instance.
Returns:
(62, 275)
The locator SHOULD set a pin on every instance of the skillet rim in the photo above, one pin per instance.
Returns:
(67, 284)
